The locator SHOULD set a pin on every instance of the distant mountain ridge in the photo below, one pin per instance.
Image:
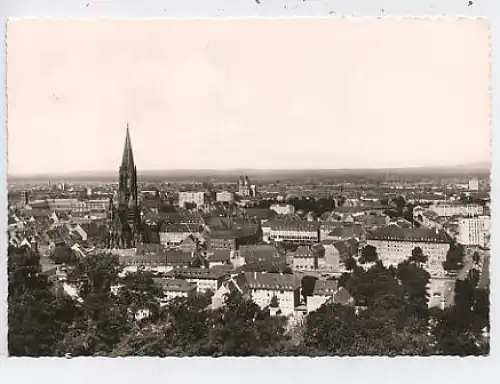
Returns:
(477, 167)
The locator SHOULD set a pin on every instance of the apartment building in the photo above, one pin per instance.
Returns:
(394, 245)
(172, 235)
(189, 197)
(474, 230)
(283, 209)
(262, 287)
(204, 279)
(174, 288)
(294, 231)
(341, 231)
(309, 258)
(473, 185)
(224, 197)
(453, 208)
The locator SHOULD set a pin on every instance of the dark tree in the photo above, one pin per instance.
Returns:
(63, 254)
(417, 256)
(140, 292)
(350, 263)
(454, 258)
(308, 283)
(241, 328)
(274, 302)
(368, 255)
(415, 280)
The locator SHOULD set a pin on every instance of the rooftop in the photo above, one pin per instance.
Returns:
(409, 234)
(276, 281)
(177, 285)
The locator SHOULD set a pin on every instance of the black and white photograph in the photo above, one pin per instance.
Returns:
(248, 187)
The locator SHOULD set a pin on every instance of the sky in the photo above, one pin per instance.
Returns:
(247, 94)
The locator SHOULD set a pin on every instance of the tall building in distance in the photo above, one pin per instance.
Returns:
(124, 214)
(474, 231)
(473, 184)
(245, 188)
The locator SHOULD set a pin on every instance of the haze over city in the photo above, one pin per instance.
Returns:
(247, 94)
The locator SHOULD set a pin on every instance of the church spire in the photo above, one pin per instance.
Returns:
(128, 156)
(124, 213)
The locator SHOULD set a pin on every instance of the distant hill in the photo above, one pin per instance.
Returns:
(473, 169)
(480, 166)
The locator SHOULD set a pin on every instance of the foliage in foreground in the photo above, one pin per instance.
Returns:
(391, 316)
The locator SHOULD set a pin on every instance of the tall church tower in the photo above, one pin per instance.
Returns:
(124, 210)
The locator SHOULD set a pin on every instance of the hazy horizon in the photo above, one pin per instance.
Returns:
(462, 169)
(229, 95)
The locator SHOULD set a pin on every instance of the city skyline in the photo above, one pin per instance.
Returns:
(198, 98)
(296, 187)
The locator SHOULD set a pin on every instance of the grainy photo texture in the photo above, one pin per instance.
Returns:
(248, 187)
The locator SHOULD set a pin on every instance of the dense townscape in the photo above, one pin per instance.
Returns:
(349, 264)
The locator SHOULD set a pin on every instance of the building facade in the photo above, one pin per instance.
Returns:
(262, 287)
(224, 197)
(394, 245)
(283, 209)
(199, 198)
(448, 209)
(297, 232)
(473, 185)
(474, 230)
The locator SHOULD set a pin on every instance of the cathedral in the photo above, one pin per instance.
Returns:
(124, 214)
(245, 188)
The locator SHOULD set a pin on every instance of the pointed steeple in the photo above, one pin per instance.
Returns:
(128, 156)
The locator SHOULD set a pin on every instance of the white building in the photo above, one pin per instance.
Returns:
(173, 288)
(262, 287)
(172, 235)
(298, 232)
(473, 185)
(394, 245)
(224, 197)
(266, 232)
(198, 198)
(474, 230)
(283, 209)
(327, 291)
(448, 209)
(309, 258)
(204, 279)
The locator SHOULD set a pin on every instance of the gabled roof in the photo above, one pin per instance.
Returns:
(180, 228)
(343, 297)
(325, 287)
(220, 255)
(175, 285)
(372, 219)
(254, 253)
(410, 234)
(275, 281)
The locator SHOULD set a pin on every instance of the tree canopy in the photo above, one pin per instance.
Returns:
(391, 315)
